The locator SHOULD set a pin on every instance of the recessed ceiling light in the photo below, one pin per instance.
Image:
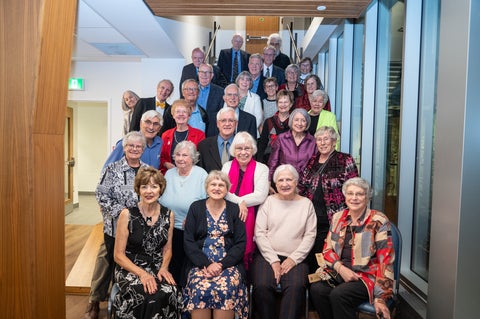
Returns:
(321, 8)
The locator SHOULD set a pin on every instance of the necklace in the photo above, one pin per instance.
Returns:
(148, 219)
(180, 136)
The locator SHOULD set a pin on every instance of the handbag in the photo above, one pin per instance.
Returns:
(325, 274)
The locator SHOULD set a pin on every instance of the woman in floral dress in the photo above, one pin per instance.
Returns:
(143, 249)
(215, 243)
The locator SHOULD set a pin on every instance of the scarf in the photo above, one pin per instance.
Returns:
(246, 187)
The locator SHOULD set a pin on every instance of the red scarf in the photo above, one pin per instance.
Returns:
(246, 187)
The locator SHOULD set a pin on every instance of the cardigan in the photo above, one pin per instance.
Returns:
(196, 232)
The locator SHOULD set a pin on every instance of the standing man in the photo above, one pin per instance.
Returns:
(255, 67)
(158, 103)
(150, 125)
(214, 149)
(281, 60)
(190, 71)
(234, 60)
(210, 97)
(269, 69)
(246, 121)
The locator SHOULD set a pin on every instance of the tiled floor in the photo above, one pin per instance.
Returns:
(87, 212)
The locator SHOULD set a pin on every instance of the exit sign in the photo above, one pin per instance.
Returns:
(76, 84)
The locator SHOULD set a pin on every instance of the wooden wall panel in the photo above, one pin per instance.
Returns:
(35, 48)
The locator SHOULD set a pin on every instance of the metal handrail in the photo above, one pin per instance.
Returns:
(207, 54)
(292, 41)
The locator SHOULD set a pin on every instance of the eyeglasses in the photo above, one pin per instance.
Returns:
(352, 194)
(135, 147)
(149, 123)
(204, 72)
(271, 86)
(223, 121)
(323, 140)
(232, 94)
(269, 54)
(246, 149)
(190, 89)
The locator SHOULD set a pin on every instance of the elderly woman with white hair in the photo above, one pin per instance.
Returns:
(185, 184)
(358, 258)
(249, 102)
(295, 146)
(249, 185)
(285, 231)
(292, 74)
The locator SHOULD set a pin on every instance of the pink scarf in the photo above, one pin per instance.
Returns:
(246, 187)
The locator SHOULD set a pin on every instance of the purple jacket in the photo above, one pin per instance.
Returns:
(285, 151)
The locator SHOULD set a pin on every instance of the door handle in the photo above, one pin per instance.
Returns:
(71, 162)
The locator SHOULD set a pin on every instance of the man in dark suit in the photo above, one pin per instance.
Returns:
(255, 65)
(246, 121)
(158, 103)
(210, 96)
(281, 60)
(190, 71)
(269, 69)
(214, 150)
(226, 60)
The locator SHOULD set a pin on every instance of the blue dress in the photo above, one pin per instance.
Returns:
(226, 291)
(144, 248)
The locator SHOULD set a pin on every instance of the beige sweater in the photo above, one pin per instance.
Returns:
(286, 228)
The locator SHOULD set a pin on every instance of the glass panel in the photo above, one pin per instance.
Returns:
(387, 106)
(66, 158)
(357, 90)
(339, 78)
(426, 134)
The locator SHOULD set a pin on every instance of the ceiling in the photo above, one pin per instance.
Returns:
(107, 31)
(289, 8)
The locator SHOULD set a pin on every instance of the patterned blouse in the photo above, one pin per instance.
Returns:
(373, 253)
(336, 170)
(115, 192)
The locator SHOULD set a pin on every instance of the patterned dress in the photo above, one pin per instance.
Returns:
(226, 291)
(144, 248)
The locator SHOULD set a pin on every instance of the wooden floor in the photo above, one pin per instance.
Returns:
(75, 238)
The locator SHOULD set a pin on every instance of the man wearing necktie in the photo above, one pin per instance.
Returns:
(234, 60)
(269, 69)
(214, 150)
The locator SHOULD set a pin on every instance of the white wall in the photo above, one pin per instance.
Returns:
(105, 83)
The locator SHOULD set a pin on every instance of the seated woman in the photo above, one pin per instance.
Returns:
(214, 243)
(143, 248)
(284, 231)
(359, 248)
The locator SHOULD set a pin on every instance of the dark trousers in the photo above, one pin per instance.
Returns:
(293, 285)
(177, 266)
(103, 271)
(340, 302)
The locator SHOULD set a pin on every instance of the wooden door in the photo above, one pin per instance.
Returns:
(258, 29)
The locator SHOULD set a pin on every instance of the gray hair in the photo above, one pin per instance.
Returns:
(318, 93)
(218, 175)
(243, 138)
(245, 74)
(150, 114)
(226, 109)
(292, 67)
(330, 130)
(191, 148)
(134, 136)
(188, 81)
(285, 167)
(302, 112)
(274, 36)
(229, 86)
(124, 104)
(359, 182)
(256, 56)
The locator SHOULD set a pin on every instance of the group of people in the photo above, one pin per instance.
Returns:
(205, 197)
